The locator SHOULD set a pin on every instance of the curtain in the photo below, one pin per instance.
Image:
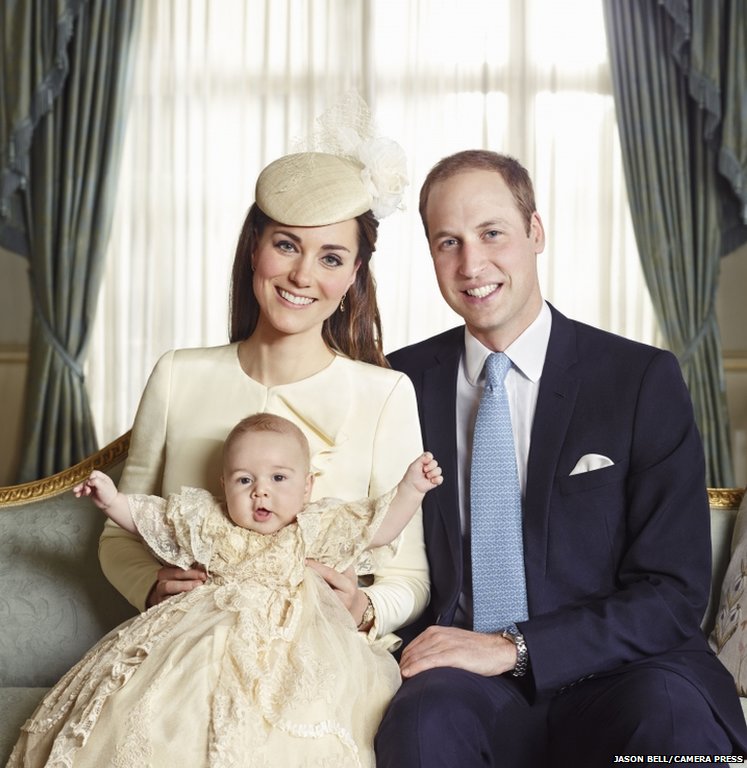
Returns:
(222, 88)
(675, 188)
(219, 90)
(64, 78)
(710, 48)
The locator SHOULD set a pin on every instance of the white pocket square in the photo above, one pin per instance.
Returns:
(590, 462)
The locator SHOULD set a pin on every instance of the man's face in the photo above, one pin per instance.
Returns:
(486, 263)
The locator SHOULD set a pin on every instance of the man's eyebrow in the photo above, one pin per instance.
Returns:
(442, 233)
(497, 222)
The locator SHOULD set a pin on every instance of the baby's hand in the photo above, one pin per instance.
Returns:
(425, 473)
(99, 486)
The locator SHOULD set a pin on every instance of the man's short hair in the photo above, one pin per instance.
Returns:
(514, 174)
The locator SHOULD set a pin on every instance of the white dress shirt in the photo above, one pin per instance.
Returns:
(527, 353)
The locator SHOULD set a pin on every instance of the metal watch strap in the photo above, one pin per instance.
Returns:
(522, 654)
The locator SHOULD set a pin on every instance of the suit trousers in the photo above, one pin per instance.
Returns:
(449, 718)
(646, 710)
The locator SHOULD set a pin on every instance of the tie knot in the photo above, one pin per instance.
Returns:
(496, 367)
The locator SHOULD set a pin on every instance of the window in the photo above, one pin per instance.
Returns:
(221, 89)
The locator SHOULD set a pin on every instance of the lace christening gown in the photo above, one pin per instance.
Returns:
(261, 666)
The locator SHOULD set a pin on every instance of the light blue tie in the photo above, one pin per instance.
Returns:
(498, 581)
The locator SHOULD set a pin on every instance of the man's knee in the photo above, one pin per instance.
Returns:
(436, 699)
(672, 713)
(449, 717)
(644, 711)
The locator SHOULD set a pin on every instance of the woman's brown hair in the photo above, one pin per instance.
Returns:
(354, 332)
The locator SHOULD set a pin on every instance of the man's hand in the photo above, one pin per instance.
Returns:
(453, 647)
(173, 581)
(345, 586)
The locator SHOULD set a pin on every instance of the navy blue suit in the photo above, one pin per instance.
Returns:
(617, 560)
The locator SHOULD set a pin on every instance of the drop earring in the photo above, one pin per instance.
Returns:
(342, 302)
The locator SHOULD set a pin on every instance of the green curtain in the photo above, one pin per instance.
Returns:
(677, 68)
(66, 69)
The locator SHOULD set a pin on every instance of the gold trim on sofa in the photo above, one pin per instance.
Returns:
(725, 498)
(10, 495)
(109, 455)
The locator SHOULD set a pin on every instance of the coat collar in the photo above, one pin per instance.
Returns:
(555, 403)
(438, 418)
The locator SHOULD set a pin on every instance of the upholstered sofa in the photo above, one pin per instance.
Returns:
(55, 602)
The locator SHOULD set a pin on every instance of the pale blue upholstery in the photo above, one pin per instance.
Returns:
(54, 600)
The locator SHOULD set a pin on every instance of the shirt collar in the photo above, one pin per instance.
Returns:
(527, 352)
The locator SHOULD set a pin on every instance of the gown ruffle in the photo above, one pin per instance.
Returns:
(261, 666)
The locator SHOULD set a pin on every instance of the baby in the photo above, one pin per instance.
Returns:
(267, 481)
(261, 660)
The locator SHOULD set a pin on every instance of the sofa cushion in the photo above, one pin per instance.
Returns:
(55, 603)
(729, 636)
(54, 600)
(16, 706)
(722, 528)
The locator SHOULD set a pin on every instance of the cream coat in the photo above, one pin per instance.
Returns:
(362, 425)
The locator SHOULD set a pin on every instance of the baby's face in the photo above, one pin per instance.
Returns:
(266, 481)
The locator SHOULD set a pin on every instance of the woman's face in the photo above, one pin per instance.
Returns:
(301, 274)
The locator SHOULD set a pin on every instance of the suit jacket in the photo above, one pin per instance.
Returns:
(618, 559)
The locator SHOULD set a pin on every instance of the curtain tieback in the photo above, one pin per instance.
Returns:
(56, 344)
(686, 355)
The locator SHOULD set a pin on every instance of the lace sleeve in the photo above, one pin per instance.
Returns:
(337, 532)
(179, 530)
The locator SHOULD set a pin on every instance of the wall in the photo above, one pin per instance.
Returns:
(731, 308)
(15, 322)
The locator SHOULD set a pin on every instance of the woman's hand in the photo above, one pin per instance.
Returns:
(173, 581)
(345, 586)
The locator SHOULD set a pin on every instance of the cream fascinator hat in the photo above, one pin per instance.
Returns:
(346, 171)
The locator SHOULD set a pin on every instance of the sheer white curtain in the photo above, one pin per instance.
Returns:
(224, 87)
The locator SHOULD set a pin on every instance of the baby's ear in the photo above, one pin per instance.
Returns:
(308, 486)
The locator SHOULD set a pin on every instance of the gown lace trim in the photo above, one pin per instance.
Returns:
(291, 652)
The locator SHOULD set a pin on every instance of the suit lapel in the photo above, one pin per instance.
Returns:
(555, 403)
(439, 424)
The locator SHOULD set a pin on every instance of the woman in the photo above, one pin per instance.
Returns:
(305, 344)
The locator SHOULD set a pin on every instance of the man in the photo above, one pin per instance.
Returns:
(603, 654)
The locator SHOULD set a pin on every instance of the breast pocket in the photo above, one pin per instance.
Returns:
(587, 529)
(596, 478)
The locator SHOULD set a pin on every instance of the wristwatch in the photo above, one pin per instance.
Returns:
(369, 614)
(511, 632)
